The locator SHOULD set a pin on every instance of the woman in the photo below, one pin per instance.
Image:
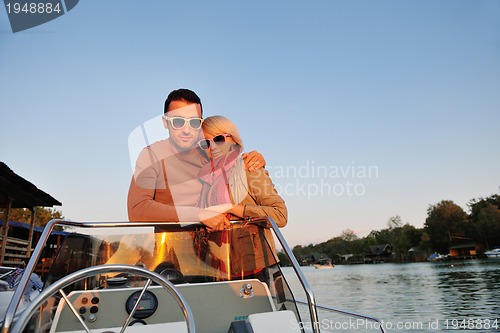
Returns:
(229, 188)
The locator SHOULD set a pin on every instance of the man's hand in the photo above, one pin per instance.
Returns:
(214, 221)
(253, 160)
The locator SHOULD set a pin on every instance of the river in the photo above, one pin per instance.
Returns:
(458, 296)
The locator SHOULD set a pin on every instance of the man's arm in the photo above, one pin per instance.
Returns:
(149, 198)
(267, 200)
(253, 160)
(142, 207)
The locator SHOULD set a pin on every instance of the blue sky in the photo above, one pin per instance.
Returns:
(406, 89)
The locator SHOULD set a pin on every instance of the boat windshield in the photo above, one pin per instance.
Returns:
(191, 252)
(182, 253)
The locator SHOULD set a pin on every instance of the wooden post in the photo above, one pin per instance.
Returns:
(57, 246)
(5, 230)
(30, 234)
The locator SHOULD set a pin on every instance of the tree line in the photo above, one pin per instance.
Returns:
(446, 225)
(42, 215)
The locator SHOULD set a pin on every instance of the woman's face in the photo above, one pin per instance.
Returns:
(218, 148)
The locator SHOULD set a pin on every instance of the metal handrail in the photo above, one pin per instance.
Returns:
(30, 268)
(309, 293)
(302, 279)
(347, 313)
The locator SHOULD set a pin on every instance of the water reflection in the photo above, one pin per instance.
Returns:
(424, 296)
(469, 288)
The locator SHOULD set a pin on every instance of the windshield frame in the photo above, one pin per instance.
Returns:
(103, 228)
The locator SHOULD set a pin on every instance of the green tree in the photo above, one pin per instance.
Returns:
(348, 235)
(283, 258)
(42, 215)
(347, 243)
(484, 220)
(380, 236)
(402, 236)
(303, 254)
(444, 219)
(395, 222)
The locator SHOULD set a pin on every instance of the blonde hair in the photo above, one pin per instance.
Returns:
(215, 125)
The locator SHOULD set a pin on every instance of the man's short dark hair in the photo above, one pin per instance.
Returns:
(182, 94)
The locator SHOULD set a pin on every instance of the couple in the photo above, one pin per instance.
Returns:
(200, 174)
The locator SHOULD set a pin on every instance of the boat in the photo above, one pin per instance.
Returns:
(324, 264)
(438, 257)
(162, 277)
(495, 253)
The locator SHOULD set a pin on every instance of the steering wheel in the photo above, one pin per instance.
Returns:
(68, 280)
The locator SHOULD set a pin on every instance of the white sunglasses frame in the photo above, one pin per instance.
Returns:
(186, 121)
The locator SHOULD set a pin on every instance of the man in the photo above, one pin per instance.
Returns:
(165, 185)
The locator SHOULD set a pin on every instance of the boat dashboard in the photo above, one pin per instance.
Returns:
(214, 305)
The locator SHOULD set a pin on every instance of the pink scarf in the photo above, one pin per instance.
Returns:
(214, 177)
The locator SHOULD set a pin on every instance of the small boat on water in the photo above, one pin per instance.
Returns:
(438, 257)
(110, 277)
(326, 264)
(495, 253)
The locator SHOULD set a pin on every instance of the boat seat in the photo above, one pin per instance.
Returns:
(271, 322)
(267, 322)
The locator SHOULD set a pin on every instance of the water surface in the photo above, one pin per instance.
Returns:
(458, 296)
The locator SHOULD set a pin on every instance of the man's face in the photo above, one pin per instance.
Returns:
(185, 137)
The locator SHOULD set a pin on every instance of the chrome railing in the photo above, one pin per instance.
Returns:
(311, 302)
(30, 268)
(10, 313)
(379, 323)
(302, 279)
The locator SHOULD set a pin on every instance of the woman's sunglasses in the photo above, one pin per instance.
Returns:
(179, 122)
(218, 140)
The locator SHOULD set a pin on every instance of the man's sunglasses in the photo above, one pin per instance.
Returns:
(179, 122)
(218, 140)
